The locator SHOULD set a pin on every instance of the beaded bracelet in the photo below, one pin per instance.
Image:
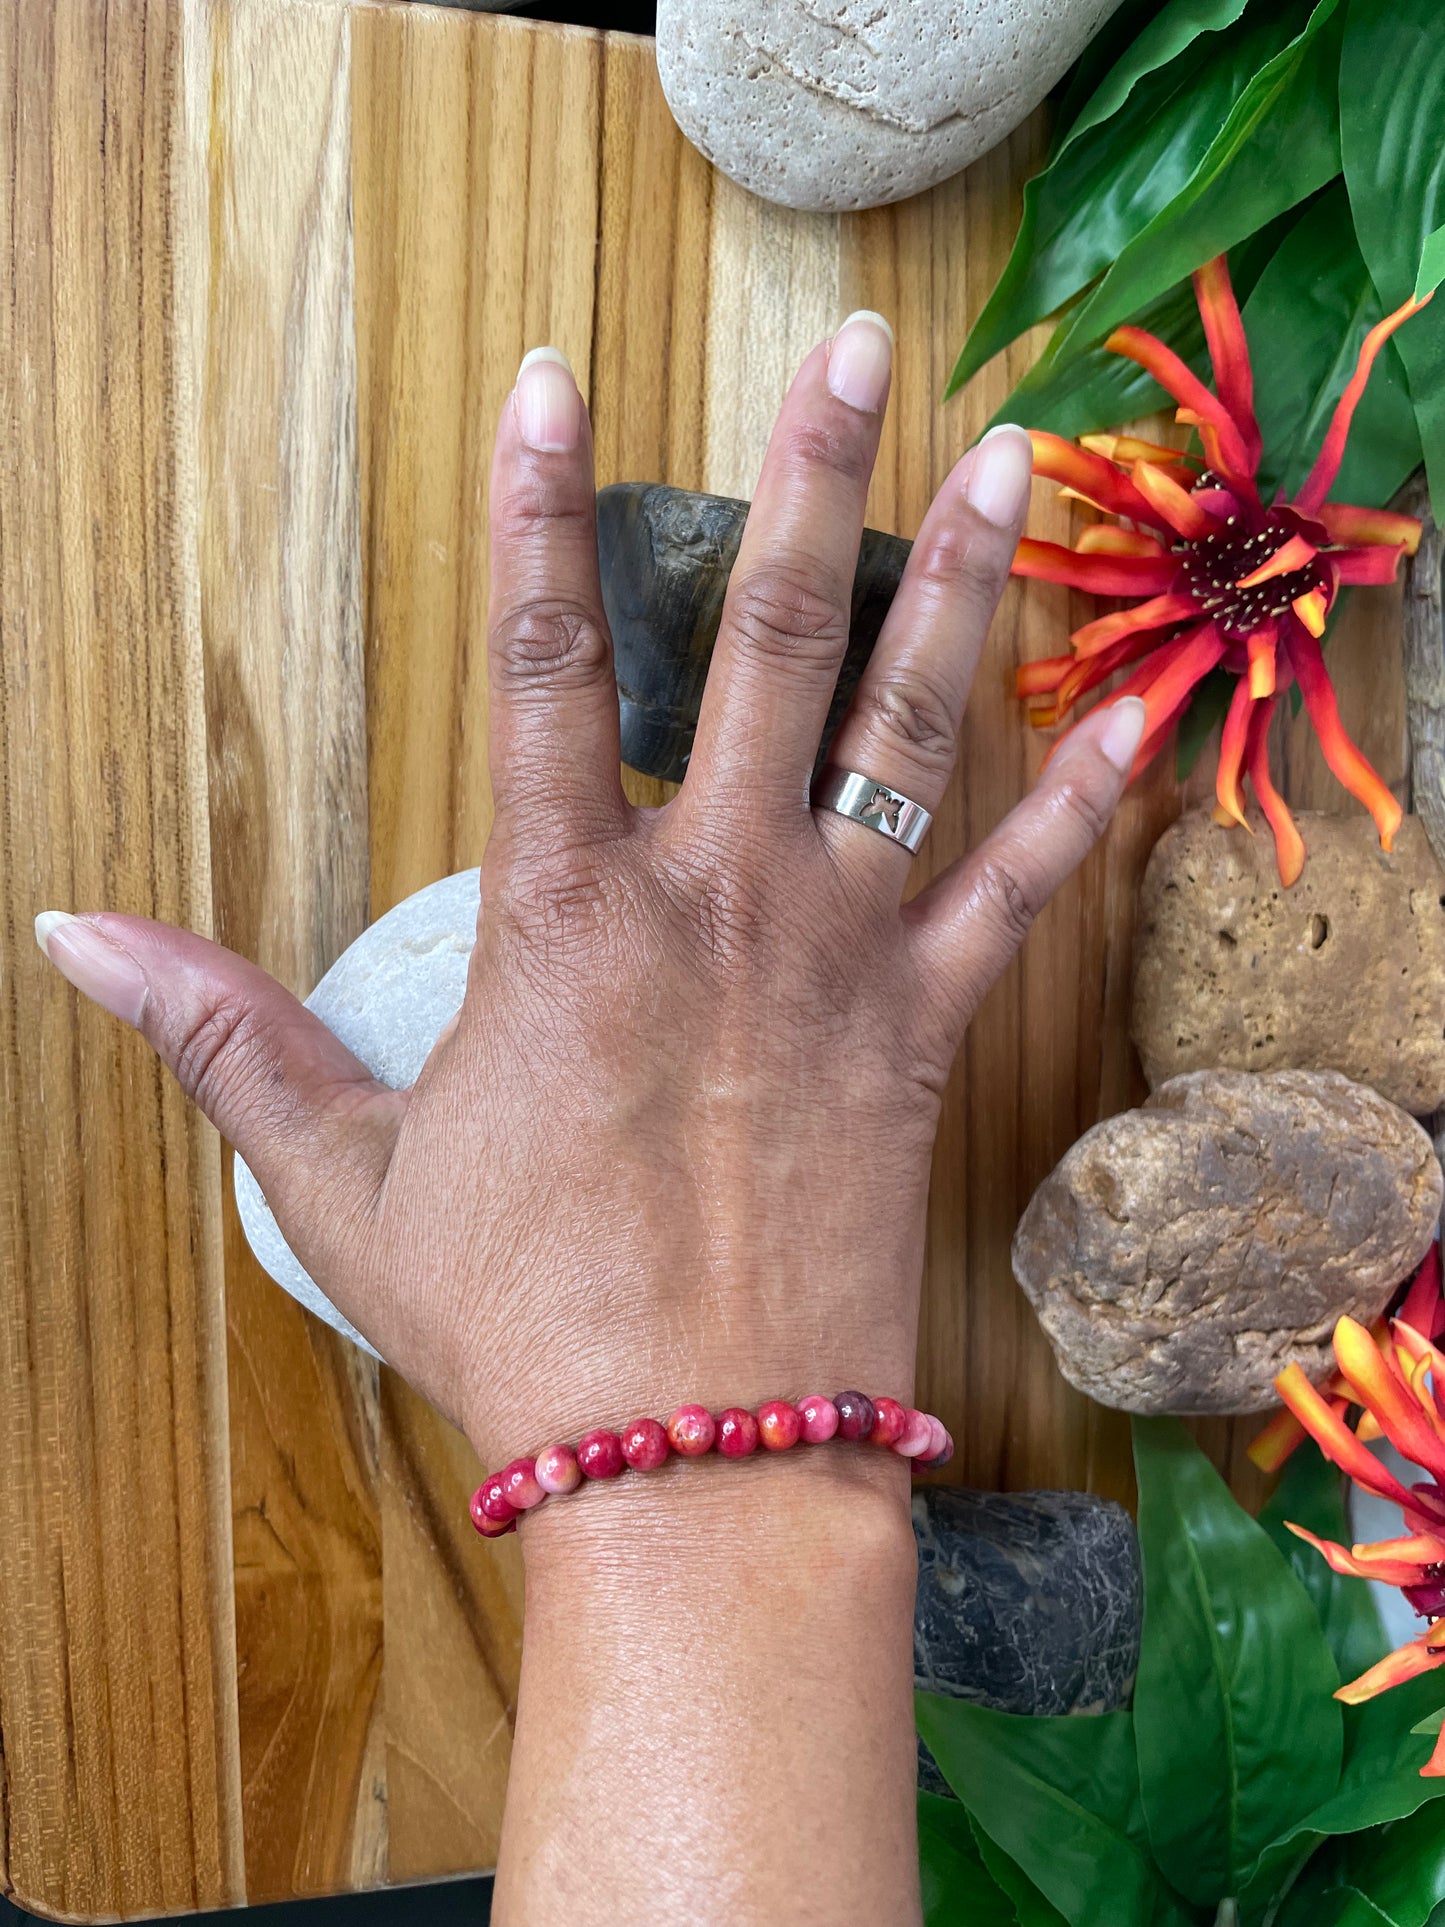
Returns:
(692, 1431)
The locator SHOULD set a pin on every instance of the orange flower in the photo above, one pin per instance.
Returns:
(1396, 1376)
(1222, 579)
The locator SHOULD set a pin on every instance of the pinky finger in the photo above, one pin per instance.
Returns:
(967, 925)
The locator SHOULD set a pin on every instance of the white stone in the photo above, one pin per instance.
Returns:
(837, 104)
(388, 999)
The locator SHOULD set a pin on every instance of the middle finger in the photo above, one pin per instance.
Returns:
(785, 619)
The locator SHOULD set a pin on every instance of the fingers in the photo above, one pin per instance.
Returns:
(554, 741)
(902, 726)
(313, 1124)
(967, 925)
(786, 616)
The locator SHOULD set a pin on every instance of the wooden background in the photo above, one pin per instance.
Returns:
(271, 265)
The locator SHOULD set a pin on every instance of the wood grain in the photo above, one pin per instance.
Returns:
(274, 264)
(121, 1789)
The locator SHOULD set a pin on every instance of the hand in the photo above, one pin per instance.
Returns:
(677, 1144)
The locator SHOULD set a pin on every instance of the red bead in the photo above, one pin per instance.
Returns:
(888, 1422)
(488, 1527)
(599, 1454)
(820, 1418)
(557, 1469)
(737, 1433)
(779, 1425)
(691, 1431)
(855, 1415)
(644, 1444)
(917, 1435)
(490, 1499)
(519, 1485)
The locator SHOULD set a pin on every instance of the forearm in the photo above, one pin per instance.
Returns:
(715, 1718)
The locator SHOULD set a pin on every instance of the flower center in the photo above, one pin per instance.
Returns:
(1214, 566)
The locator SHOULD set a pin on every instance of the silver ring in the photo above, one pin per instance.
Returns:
(874, 805)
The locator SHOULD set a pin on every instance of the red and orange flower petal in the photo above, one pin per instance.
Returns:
(1336, 1440)
(1230, 457)
(1289, 849)
(1129, 448)
(1089, 476)
(1406, 1662)
(1369, 567)
(1348, 764)
(1173, 506)
(1159, 612)
(1291, 555)
(1375, 1385)
(1312, 607)
(1393, 1562)
(1332, 449)
(1121, 575)
(1089, 671)
(1233, 741)
(1273, 1443)
(1423, 1309)
(1041, 678)
(1228, 350)
(1107, 538)
(1260, 648)
(1361, 527)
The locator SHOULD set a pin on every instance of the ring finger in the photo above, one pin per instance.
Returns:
(901, 729)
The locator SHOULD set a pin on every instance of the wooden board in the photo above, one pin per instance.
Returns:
(275, 263)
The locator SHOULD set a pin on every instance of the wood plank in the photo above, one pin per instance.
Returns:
(117, 1682)
(280, 570)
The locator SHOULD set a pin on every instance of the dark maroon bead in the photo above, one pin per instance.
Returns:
(644, 1444)
(856, 1415)
(600, 1455)
(737, 1433)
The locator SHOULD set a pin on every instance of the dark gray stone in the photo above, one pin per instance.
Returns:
(1029, 1602)
(666, 554)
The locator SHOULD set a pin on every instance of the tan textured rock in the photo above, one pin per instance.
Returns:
(834, 104)
(1182, 1254)
(1346, 971)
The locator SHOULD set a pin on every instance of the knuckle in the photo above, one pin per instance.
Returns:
(968, 562)
(780, 615)
(550, 643)
(907, 709)
(1011, 895)
(539, 497)
(212, 1050)
(1086, 809)
(843, 449)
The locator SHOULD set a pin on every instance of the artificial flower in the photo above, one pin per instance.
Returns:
(1215, 576)
(1397, 1378)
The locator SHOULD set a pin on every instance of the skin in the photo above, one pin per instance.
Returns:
(676, 1147)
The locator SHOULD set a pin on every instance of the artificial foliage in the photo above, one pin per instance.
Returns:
(1304, 138)
(1237, 1789)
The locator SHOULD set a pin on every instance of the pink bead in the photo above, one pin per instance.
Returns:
(917, 1434)
(599, 1454)
(888, 1422)
(737, 1433)
(644, 1444)
(937, 1437)
(947, 1453)
(519, 1485)
(488, 1527)
(557, 1469)
(691, 1431)
(779, 1426)
(490, 1499)
(820, 1418)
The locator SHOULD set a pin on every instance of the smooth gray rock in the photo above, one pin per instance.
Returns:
(1029, 1602)
(837, 104)
(387, 998)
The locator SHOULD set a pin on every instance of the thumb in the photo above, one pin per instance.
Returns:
(303, 1112)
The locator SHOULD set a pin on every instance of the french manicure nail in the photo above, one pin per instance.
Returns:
(998, 482)
(548, 405)
(96, 966)
(1123, 732)
(860, 356)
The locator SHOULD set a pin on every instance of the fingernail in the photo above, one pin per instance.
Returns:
(97, 968)
(998, 482)
(859, 358)
(548, 405)
(1123, 732)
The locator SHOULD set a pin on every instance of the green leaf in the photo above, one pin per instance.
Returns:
(1310, 1493)
(1060, 1796)
(1308, 314)
(1205, 712)
(1280, 143)
(1430, 1725)
(1392, 110)
(1112, 179)
(1380, 1781)
(1231, 1636)
(1432, 264)
(1393, 1874)
(958, 1890)
(1030, 1906)
(1159, 37)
